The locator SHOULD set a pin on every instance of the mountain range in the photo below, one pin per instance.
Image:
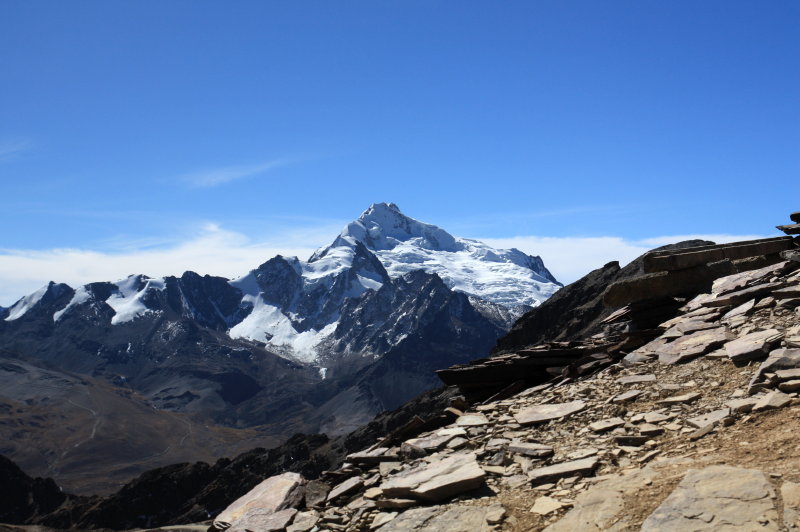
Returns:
(293, 346)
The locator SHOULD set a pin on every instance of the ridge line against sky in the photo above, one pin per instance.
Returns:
(216, 251)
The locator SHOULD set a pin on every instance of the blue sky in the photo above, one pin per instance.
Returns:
(142, 134)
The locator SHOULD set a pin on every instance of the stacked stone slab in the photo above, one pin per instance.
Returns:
(792, 229)
(687, 272)
(535, 365)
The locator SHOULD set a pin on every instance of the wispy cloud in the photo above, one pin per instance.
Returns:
(214, 250)
(12, 147)
(211, 250)
(219, 176)
(570, 258)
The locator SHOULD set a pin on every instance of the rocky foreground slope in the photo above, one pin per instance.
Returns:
(692, 431)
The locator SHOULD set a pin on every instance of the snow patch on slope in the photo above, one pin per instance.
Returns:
(266, 323)
(128, 299)
(499, 276)
(81, 296)
(21, 307)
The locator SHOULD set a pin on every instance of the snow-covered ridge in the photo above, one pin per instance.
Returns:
(128, 298)
(21, 307)
(294, 305)
(505, 276)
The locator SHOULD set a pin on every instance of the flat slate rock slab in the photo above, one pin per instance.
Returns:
(693, 345)
(438, 480)
(272, 495)
(603, 507)
(564, 469)
(433, 519)
(543, 413)
(711, 418)
(257, 520)
(752, 346)
(636, 379)
(717, 498)
(472, 420)
(536, 450)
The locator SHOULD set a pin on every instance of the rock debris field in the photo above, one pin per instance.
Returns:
(692, 431)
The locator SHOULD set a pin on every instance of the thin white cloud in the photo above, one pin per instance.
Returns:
(220, 176)
(217, 251)
(570, 258)
(213, 251)
(11, 147)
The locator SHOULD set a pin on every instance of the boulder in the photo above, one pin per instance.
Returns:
(711, 418)
(779, 359)
(636, 379)
(752, 346)
(693, 345)
(542, 413)
(260, 520)
(535, 450)
(436, 481)
(717, 498)
(351, 485)
(274, 494)
(772, 401)
(564, 469)
(435, 519)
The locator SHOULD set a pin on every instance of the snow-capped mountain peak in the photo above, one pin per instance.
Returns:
(384, 227)
(403, 244)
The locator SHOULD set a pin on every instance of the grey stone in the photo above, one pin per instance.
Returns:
(740, 296)
(680, 399)
(741, 405)
(387, 468)
(564, 469)
(260, 520)
(274, 494)
(789, 386)
(752, 346)
(542, 413)
(790, 493)
(395, 504)
(636, 379)
(655, 417)
(710, 418)
(693, 345)
(647, 429)
(606, 424)
(546, 505)
(346, 487)
(787, 374)
(772, 401)
(738, 499)
(430, 443)
(627, 397)
(779, 359)
(372, 457)
(604, 506)
(741, 310)
(472, 420)
(438, 480)
(434, 519)
(303, 522)
(536, 450)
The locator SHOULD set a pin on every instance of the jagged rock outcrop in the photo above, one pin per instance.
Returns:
(22, 498)
(574, 312)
